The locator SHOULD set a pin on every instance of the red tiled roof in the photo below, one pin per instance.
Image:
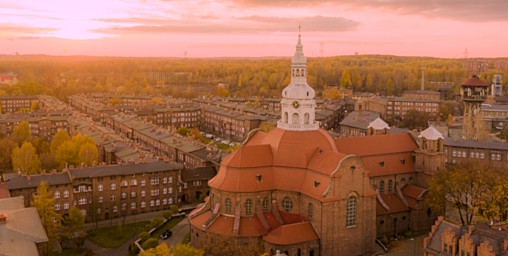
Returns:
(393, 202)
(292, 234)
(474, 81)
(377, 144)
(281, 159)
(391, 164)
(413, 191)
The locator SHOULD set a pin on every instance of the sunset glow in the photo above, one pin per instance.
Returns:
(254, 28)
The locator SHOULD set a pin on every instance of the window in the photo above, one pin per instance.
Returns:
(143, 183)
(123, 183)
(57, 194)
(143, 204)
(351, 212)
(152, 203)
(66, 193)
(113, 198)
(66, 206)
(124, 195)
(82, 201)
(57, 207)
(170, 179)
(113, 186)
(100, 187)
(134, 183)
(445, 247)
(382, 163)
(164, 201)
(382, 186)
(157, 202)
(248, 207)
(124, 206)
(133, 194)
(164, 191)
(170, 200)
(390, 185)
(265, 204)
(101, 199)
(311, 210)
(115, 208)
(228, 205)
(154, 181)
(170, 190)
(287, 204)
(143, 193)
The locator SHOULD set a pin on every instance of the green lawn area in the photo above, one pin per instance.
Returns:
(74, 252)
(168, 225)
(114, 236)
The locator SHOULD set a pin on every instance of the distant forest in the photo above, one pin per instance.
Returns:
(242, 77)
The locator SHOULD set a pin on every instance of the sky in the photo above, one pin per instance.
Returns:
(254, 28)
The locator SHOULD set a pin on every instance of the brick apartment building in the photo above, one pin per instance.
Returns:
(105, 192)
(486, 152)
(13, 104)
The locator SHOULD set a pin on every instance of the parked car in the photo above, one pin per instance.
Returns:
(166, 234)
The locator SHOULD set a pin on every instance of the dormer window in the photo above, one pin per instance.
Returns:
(352, 168)
(382, 163)
(402, 161)
(316, 184)
(259, 177)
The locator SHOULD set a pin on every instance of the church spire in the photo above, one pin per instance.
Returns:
(297, 104)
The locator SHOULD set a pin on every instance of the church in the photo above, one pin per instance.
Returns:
(297, 190)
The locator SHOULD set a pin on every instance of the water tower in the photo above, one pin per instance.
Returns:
(473, 93)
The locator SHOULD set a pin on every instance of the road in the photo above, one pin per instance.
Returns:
(180, 231)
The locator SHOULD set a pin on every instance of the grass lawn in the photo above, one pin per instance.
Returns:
(168, 225)
(114, 236)
(74, 252)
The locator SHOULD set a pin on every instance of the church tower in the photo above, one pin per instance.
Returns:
(298, 107)
(430, 156)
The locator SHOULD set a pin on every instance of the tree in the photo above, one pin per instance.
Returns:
(196, 134)
(7, 145)
(60, 137)
(34, 106)
(66, 154)
(157, 221)
(21, 133)
(115, 101)
(472, 189)
(150, 243)
(182, 131)
(73, 224)
(415, 119)
(45, 204)
(156, 101)
(88, 154)
(25, 159)
(345, 80)
(177, 250)
(185, 250)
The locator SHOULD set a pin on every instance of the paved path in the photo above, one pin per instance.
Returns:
(180, 231)
(408, 247)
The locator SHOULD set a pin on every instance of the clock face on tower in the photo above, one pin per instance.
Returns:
(296, 104)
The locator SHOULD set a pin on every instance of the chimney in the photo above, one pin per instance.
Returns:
(3, 219)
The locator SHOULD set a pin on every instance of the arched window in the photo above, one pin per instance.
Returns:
(306, 118)
(248, 207)
(123, 183)
(286, 117)
(298, 72)
(134, 182)
(295, 119)
(311, 211)
(382, 186)
(351, 212)
(265, 204)
(287, 204)
(390, 186)
(228, 205)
